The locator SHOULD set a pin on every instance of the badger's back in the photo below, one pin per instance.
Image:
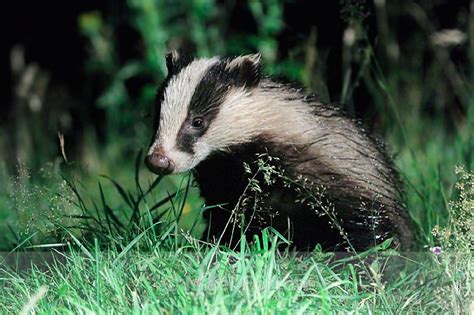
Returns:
(334, 186)
(333, 176)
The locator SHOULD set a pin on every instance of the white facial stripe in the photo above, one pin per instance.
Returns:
(244, 116)
(232, 125)
(174, 110)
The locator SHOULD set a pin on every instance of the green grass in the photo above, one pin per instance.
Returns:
(149, 265)
(140, 260)
(147, 276)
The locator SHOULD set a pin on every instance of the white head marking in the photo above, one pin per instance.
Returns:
(174, 109)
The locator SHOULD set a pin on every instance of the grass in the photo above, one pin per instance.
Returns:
(194, 278)
(143, 262)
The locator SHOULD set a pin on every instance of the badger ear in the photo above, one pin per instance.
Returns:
(176, 60)
(246, 70)
(172, 58)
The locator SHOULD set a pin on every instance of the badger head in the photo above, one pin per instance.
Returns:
(202, 108)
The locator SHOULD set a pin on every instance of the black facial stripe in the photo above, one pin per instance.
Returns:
(187, 135)
(210, 92)
(205, 103)
(186, 142)
(209, 95)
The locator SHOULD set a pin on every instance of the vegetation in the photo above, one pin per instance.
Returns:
(124, 240)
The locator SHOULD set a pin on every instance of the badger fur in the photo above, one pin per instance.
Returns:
(216, 116)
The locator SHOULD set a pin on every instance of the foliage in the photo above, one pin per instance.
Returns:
(458, 232)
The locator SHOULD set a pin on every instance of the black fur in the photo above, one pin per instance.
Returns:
(222, 180)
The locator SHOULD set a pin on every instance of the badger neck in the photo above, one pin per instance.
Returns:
(286, 117)
(272, 113)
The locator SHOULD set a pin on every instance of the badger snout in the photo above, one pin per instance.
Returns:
(159, 163)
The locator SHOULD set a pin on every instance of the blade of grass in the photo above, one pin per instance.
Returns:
(120, 190)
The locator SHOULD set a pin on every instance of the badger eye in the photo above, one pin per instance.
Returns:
(197, 123)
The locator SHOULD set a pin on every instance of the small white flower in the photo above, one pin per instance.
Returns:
(436, 250)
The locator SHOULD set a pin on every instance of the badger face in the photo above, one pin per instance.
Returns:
(199, 108)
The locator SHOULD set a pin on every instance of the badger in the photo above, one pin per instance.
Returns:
(336, 188)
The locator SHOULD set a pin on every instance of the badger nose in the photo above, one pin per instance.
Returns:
(159, 164)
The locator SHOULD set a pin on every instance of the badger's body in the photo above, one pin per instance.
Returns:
(218, 115)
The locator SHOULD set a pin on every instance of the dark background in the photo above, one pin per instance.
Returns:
(49, 34)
